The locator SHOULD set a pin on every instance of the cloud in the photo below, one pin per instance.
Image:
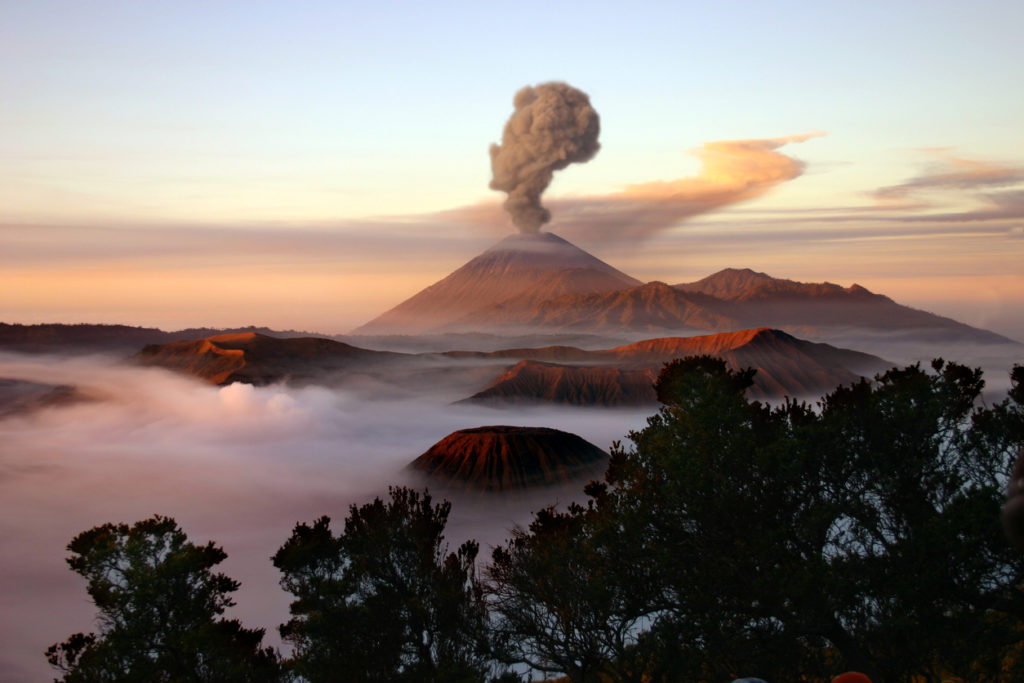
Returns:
(239, 465)
(953, 173)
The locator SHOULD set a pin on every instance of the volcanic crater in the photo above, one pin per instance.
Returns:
(503, 458)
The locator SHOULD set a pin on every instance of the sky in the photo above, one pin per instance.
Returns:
(309, 165)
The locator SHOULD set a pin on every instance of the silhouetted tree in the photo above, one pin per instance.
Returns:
(383, 601)
(560, 599)
(158, 605)
(786, 541)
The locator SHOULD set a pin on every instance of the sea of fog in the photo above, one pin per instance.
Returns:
(239, 465)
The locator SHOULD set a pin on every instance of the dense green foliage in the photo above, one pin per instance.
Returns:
(730, 538)
(158, 604)
(735, 538)
(382, 601)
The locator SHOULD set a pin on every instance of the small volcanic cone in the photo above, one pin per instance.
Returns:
(503, 458)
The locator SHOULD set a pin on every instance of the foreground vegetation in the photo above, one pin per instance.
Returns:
(729, 538)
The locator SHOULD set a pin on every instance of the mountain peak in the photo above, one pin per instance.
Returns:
(729, 283)
(526, 241)
(511, 268)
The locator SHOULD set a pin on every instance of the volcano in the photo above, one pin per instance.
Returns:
(535, 267)
(502, 458)
(540, 283)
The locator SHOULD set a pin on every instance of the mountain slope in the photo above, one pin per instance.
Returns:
(541, 266)
(530, 381)
(728, 300)
(654, 306)
(502, 458)
(786, 366)
(757, 299)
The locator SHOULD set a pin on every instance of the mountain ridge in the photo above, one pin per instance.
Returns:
(542, 283)
(259, 359)
(623, 376)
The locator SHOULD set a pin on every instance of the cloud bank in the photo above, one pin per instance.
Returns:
(239, 465)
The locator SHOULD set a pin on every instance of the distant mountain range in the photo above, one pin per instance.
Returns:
(618, 376)
(90, 338)
(541, 283)
(530, 288)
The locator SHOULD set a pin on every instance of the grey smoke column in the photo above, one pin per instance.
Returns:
(552, 127)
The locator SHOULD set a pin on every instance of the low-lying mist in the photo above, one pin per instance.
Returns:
(239, 465)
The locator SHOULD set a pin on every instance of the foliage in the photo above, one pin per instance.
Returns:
(382, 601)
(558, 601)
(784, 541)
(158, 604)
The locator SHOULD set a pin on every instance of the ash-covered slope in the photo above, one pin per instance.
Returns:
(653, 307)
(258, 359)
(501, 458)
(539, 266)
(786, 366)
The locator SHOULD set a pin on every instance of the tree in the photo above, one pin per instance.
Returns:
(867, 530)
(158, 604)
(788, 541)
(383, 601)
(558, 600)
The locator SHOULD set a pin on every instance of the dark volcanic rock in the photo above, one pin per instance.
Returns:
(501, 458)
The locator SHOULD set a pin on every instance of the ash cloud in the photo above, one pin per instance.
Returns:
(553, 126)
(732, 171)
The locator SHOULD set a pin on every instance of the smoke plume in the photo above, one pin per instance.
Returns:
(731, 171)
(553, 126)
